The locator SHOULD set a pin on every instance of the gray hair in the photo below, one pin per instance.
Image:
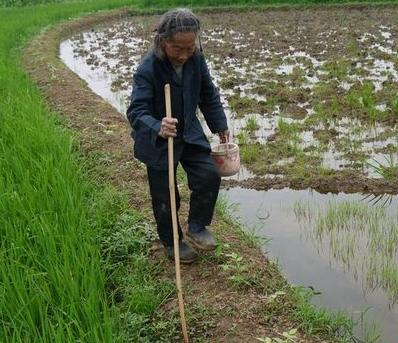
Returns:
(172, 22)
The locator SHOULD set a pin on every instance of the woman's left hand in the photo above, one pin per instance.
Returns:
(224, 136)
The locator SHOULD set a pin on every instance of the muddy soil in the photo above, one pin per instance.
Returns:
(321, 83)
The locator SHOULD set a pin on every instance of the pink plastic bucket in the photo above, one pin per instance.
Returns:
(226, 158)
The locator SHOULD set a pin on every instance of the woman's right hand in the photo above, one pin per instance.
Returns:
(168, 128)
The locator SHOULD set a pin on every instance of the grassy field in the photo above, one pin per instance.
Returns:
(62, 235)
(192, 3)
(52, 219)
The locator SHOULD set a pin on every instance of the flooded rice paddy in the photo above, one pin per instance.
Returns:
(307, 92)
(343, 246)
(311, 88)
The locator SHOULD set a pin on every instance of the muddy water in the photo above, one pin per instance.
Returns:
(307, 260)
(98, 77)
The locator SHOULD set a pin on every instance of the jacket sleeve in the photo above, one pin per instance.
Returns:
(139, 112)
(209, 102)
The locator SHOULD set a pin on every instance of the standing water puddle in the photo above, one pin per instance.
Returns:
(313, 248)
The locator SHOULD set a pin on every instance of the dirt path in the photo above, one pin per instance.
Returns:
(229, 299)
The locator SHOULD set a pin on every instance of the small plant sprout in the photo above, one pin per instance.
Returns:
(388, 171)
(251, 124)
(243, 138)
(249, 153)
(275, 296)
(394, 106)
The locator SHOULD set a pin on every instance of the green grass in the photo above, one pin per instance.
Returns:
(318, 322)
(52, 277)
(50, 262)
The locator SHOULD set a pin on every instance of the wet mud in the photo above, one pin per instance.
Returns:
(310, 93)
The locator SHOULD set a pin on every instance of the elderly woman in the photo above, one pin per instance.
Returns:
(176, 58)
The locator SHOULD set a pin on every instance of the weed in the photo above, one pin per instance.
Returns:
(353, 49)
(243, 105)
(288, 130)
(238, 270)
(228, 211)
(253, 238)
(200, 319)
(298, 76)
(250, 153)
(251, 124)
(284, 337)
(321, 116)
(316, 321)
(229, 82)
(337, 69)
(242, 137)
(323, 90)
(267, 88)
(394, 106)
(362, 101)
(272, 102)
(388, 171)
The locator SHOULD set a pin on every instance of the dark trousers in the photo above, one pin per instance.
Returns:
(203, 182)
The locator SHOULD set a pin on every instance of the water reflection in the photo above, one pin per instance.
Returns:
(344, 246)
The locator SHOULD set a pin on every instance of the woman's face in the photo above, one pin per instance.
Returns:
(180, 47)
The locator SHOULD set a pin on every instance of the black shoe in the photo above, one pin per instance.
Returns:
(187, 254)
(203, 239)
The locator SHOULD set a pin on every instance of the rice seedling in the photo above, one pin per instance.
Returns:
(337, 69)
(51, 215)
(242, 137)
(362, 100)
(251, 124)
(362, 237)
(250, 153)
(288, 130)
(388, 171)
(371, 331)
(394, 106)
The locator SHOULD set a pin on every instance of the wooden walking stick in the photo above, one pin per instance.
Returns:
(174, 218)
